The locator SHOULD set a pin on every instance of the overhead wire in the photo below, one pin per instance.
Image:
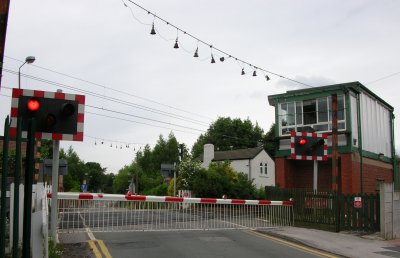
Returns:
(141, 117)
(383, 78)
(112, 99)
(127, 120)
(131, 115)
(215, 48)
(112, 89)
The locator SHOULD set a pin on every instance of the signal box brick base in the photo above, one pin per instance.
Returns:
(299, 174)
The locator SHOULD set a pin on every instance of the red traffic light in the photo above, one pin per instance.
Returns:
(302, 141)
(33, 105)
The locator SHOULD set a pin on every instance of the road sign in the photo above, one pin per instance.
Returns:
(357, 202)
(84, 188)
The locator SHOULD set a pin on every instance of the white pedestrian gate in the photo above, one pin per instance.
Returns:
(114, 212)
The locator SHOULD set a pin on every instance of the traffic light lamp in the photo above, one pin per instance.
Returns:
(309, 146)
(51, 115)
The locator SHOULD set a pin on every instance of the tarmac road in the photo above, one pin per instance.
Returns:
(227, 243)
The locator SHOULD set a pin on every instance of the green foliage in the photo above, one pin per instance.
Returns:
(55, 249)
(46, 149)
(221, 179)
(160, 190)
(261, 194)
(227, 133)
(170, 190)
(121, 180)
(187, 169)
(270, 141)
(11, 162)
(78, 171)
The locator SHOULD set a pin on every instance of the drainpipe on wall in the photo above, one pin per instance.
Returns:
(249, 170)
(335, 174)
(394, 161)
(360, 141)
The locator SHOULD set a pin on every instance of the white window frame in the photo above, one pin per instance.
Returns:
(286, 129)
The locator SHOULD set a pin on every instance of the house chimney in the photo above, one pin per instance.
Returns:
(208, 154)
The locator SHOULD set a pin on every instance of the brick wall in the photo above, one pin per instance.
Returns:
(11, 147)
(299, 174)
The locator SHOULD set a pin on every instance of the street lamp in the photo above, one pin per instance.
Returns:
(29, 60)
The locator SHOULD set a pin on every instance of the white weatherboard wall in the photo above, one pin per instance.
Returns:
(354, 120)
(375, 122)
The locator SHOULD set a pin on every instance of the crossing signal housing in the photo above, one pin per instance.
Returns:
(51, 115)
(58, 116)
(309, 146)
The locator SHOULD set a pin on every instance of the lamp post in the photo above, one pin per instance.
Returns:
(29, 60)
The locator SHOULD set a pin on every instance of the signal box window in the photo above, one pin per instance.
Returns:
(315, 114)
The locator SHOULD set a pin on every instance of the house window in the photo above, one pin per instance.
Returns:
(261, 168)
(312, 113)
(265, 168)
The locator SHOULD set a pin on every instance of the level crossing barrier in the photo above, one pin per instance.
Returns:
(117, 212)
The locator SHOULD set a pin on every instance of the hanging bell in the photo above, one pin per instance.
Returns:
(212, 59)
(267, 77)
(254, 73)
(176, 43)
(196, 54)
(243, 73)
(153, 31)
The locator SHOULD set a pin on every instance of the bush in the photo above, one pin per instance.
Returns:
(160, 190)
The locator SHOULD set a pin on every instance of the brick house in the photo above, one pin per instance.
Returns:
(365, 137)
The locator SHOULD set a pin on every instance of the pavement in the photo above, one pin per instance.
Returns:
(345, 244)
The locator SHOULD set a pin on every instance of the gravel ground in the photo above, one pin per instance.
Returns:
(77, 250)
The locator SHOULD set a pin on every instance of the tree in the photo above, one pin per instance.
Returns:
(76, 170)
(95, 177)
(150, 160)
(227, 133)
(221, 179)
(187, 169)
(270, 141)
(121, 180)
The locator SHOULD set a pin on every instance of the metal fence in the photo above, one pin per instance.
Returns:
(331, 211)
(112, 212)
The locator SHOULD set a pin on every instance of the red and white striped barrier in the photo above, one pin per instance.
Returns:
(164, 199)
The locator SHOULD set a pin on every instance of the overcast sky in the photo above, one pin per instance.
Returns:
(105, 48)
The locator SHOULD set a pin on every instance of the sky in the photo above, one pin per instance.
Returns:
(139, 87)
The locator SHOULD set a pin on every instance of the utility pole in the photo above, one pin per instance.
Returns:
(4, 8)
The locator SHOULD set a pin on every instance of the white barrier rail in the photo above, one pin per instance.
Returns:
(115, 212)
